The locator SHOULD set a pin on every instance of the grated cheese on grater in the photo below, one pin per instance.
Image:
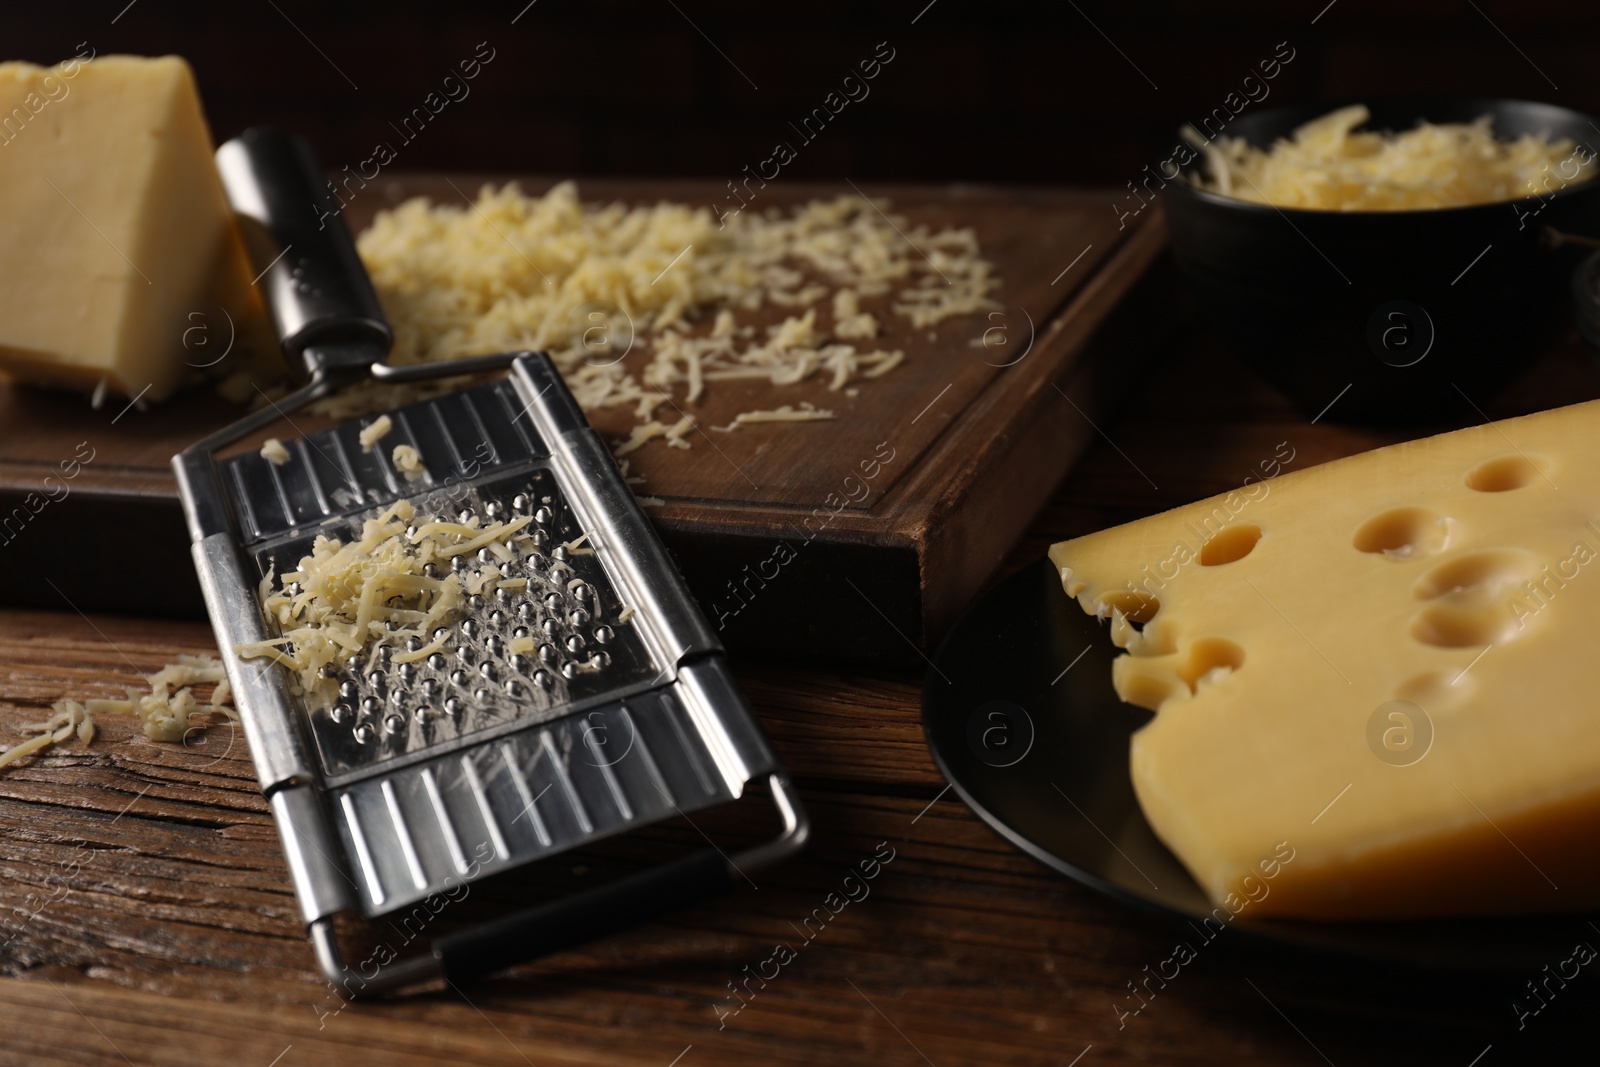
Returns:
(274, 452)
(1328, 165)
(408, 461)
(375, 431)
(385, 584)
(594, 284)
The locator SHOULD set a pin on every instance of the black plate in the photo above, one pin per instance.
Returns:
(1021, 718)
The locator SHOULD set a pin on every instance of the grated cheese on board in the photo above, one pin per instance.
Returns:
(804, 413)
(1329, 165)
(591, 285)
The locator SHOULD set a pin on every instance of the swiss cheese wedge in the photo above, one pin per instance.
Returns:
(1390, 662)
(121, 260)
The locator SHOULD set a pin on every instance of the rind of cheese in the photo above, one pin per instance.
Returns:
(1327, 165)
(1385, 661)
(120, 244)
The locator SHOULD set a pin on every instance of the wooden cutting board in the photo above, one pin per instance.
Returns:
(858, 539)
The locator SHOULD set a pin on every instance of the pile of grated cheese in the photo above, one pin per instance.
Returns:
(69, 718)
(592, 284)
(1328, 165)
(164, 711)
(393, 582)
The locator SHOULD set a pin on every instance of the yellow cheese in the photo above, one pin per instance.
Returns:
(408, 461)
(1328, 165)
(345, 598)
(375, 431)
(117, 231)
(274, 452)
(1386, 662)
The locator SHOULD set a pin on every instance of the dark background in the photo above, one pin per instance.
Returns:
(1025, 92)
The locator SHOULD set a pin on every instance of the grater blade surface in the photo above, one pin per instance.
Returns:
(411, 775)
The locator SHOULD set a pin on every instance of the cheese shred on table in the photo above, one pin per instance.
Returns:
(164, 711)
(591, 285)
(392, 582)
(1329, 165)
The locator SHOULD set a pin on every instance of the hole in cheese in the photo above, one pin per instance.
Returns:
(1207, 656)
(1403, 533)
(1480, 576)
(1438, 690)
(1448, 624)
(1230, 544)
(1504, 473)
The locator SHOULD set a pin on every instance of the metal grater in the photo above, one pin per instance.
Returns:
(423, 776)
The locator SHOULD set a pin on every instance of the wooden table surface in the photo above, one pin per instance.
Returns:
(146, 916)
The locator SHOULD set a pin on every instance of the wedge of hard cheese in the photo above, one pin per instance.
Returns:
(1389, 664)
(119, 243)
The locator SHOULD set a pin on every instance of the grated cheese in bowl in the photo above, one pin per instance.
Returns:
(1330, 165)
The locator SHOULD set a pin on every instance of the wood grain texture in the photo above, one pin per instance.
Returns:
(971, 433)
(147, 918)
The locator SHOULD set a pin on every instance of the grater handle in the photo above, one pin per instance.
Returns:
(549, 928)
(316, 288)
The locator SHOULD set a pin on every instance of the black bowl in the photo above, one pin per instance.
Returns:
(1586, 300)
(1418, 313)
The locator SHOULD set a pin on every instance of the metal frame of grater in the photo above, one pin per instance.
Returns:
(381, 798)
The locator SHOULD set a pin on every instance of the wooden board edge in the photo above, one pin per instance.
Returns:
(963, 531)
